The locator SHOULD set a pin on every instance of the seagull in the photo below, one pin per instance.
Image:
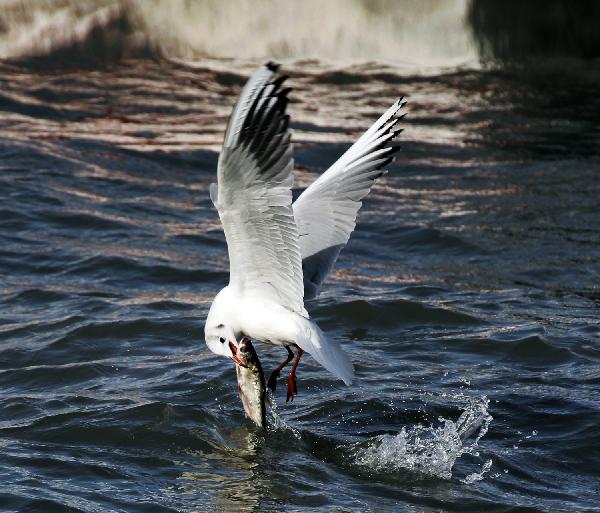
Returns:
(281, 252)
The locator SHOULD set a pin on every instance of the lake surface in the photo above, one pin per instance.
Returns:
(468, 297)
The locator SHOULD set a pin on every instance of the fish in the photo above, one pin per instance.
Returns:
(251, 382)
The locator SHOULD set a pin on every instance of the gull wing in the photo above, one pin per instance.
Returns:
(326, 211)
(253, 195)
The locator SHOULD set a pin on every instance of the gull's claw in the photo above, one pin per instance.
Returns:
(272, 383)
(292, 388)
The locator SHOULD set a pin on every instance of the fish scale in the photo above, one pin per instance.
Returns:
(251, 383)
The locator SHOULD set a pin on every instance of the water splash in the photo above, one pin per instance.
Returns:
(478, 476)
(428, 449)
(275, 422)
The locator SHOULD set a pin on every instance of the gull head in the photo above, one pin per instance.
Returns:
(220, 337)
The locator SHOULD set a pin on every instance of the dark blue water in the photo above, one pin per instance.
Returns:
(468, 298)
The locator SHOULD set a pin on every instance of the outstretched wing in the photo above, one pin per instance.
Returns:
(254, 197)
(326, 211)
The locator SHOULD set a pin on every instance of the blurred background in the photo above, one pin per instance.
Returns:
(468, 297)
(428, 33)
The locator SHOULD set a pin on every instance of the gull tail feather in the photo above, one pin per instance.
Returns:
(326, 351)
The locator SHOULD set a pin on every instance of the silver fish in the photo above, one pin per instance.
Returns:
(251, 382)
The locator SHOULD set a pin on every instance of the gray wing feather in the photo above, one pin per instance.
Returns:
(214, 193)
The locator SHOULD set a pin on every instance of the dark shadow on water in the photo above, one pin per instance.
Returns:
(549, 54)
(514, 30)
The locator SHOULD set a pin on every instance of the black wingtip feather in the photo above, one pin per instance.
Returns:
(279, 80)
(394, 149)
(284, 92)
(258, 117)
(282, 101)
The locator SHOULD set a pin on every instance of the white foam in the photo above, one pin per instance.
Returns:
(424, 33)
(431, 450)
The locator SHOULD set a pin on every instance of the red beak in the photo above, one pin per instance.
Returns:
(234, 356)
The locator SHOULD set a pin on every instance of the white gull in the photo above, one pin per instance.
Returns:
(279, 252)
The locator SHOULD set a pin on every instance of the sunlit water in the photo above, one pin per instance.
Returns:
(467, 298)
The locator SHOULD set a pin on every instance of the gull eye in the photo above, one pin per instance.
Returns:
(222, 340)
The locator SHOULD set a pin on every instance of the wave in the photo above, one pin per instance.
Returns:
(535, 351)
(393, 313)
(431, 32)
(69, 31)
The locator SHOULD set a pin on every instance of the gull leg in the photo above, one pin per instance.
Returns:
(291, 382)
(272, 383)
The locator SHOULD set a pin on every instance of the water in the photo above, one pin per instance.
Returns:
(468, 297)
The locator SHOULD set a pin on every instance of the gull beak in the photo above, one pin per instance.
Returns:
(234, 356)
